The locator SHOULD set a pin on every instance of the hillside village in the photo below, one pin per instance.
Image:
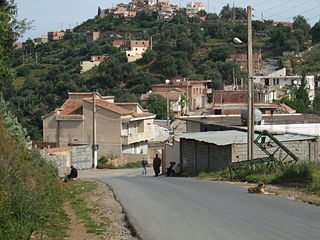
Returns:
(182, 96)
(217, 96)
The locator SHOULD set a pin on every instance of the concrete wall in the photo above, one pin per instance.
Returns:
(171, 154)
(193, 126)
(305, 150)
(200, 156)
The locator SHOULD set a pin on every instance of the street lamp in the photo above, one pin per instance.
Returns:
(167, 82)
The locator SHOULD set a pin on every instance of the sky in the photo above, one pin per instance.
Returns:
(54, 15)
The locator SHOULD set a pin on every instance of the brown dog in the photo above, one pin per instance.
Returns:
(257, 189)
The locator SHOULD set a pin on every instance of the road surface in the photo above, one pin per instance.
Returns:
(185, 209)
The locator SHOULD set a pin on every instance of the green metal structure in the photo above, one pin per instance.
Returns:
(278, 155)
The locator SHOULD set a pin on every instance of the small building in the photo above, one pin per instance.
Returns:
(213, 151)
(134, 48)
(95, 61)
(281, 79)
(53, 36)
(194, 7)
(92, 36)
(42, 39)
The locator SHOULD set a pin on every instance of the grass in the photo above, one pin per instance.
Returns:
(132, 165)
(83, 212)
(305, 174)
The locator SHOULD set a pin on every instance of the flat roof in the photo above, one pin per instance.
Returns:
(311, 129)
(222, 138)
(267, 119)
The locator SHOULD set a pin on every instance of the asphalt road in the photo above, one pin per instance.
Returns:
(185, 209)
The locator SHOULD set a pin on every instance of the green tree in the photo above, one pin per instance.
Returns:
(158, 105)
(10, 30)
(220, 53)
(315, 32)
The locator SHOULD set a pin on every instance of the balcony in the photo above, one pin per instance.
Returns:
(136, 137)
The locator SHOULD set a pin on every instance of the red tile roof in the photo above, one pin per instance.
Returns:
(109, 106)
(56, 150)
(71, 107)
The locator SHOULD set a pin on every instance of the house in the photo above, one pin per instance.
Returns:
(229, 101)
(88, 65)
(92, 36)
(53, 36)
(134, 48)
(194, 7)
(213, 151)
(242, 59)
(174, 97)
(42, 39)
(196, 91)
(122, 129)
(281, 79)
(164, 2)
(275, 23)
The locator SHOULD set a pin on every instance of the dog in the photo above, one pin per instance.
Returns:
(258, 189)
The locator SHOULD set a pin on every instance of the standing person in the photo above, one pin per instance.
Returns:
(156, 165)
(144, 165)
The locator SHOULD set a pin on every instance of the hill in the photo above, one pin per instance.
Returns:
(182, 47)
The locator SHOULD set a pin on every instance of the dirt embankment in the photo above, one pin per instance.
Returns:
(105, 207)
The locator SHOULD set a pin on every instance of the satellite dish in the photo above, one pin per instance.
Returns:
(237, 40)
(257, 116)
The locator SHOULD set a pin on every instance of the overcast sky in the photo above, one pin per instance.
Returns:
(51, 15)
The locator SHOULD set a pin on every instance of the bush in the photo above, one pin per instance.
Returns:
(29, 193)
(132, 165)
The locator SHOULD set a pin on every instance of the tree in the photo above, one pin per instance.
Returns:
(158, 105)
(301, 23)
(315, 32)
(99, 11)
(10, 30)
(220, 53)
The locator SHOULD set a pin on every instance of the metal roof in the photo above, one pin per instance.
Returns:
(223, 138)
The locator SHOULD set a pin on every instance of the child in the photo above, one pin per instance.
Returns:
(144, 165)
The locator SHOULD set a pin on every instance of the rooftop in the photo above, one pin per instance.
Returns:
(222, 138)
(235, 120)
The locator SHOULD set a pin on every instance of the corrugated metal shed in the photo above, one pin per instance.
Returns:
(223, 138)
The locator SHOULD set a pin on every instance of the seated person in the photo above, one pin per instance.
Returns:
(73, 173)
(170, 170)
(176, 168)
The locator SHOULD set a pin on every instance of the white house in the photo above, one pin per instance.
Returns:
(280, 79)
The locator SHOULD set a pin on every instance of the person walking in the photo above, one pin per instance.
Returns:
(144, 164)
(156, 165)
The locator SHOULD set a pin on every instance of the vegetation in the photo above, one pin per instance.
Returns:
(303, 173)
(182, 47)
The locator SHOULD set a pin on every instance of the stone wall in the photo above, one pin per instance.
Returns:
(58, 161)
(62, 158)
(81, 157)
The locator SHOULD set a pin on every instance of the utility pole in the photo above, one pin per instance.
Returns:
(94, 131)
(250, 89)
